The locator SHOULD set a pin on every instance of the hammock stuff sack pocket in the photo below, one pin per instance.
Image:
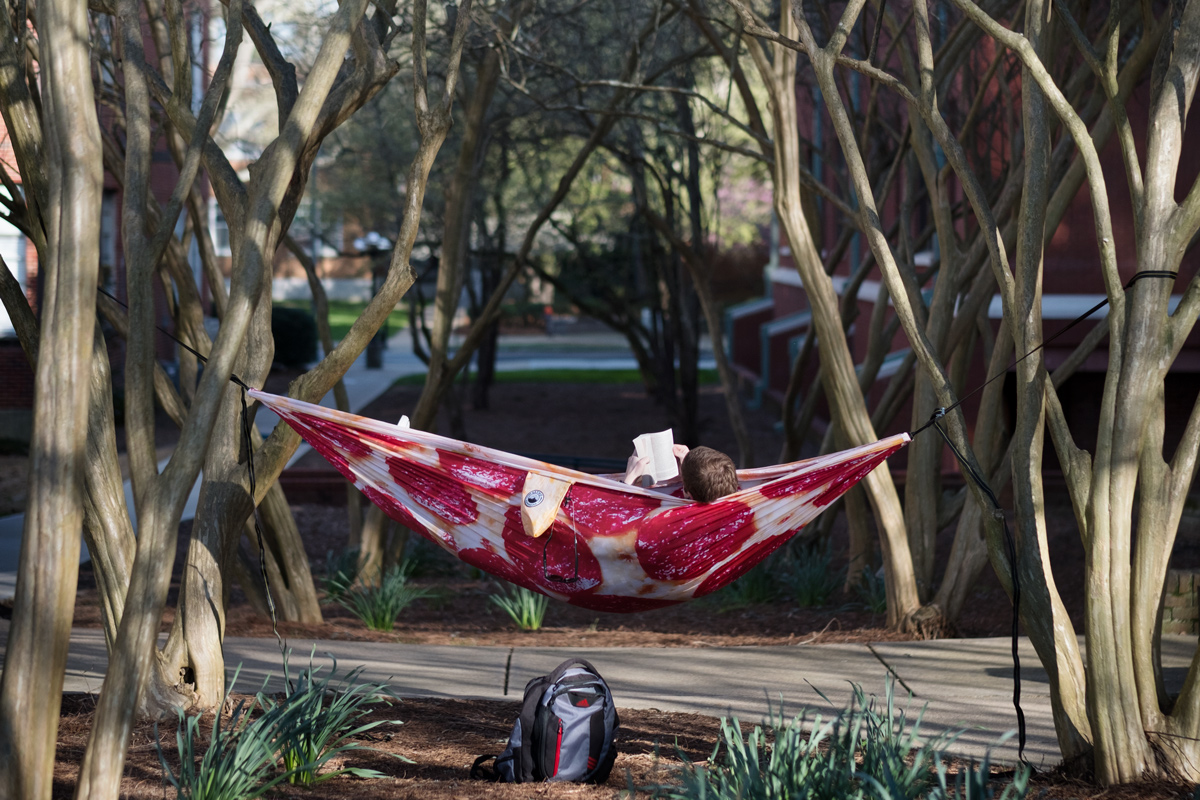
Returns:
(566, 730)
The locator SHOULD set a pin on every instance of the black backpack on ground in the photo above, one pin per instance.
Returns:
(566, 730)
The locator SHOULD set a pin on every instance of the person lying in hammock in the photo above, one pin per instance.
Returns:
(708, 474)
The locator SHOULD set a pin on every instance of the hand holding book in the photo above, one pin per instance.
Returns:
(656, 456)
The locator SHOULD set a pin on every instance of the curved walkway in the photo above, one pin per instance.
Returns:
(962, 684)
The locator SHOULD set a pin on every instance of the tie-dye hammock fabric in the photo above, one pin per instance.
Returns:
(597, 543)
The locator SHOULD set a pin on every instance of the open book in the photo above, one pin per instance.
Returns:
(658, 447)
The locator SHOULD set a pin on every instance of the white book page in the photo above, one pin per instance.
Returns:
(659, 448)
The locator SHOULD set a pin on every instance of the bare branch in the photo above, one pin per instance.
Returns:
(208, 110)
(282, 71)
(1106, 74)
(1079, 132)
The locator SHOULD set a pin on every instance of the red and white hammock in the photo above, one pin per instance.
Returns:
(589, 540)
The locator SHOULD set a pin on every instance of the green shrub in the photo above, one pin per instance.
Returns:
(319, 718)
(379, 606)
(341, 573)
(295, 334)
(872, 592)
(863, 752)
(290, 740)
(810, 578)
(238, 760)
(526, 607)
(757, 587)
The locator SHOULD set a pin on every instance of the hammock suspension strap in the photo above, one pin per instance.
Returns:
(246, 431)
(998, 510)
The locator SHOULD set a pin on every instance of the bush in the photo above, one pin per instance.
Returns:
(235, 765)
(317, 721)
(295, 334)
(811, 579)
(290, 740)
(872, 591)
(341, 573)
(863, 752)
(758, 586)
(527, 608)
(379, 606)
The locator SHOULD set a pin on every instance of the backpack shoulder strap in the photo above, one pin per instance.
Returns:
(479, 772)
(570, 663)
(529, 705)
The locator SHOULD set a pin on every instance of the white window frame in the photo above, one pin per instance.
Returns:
(217, 225)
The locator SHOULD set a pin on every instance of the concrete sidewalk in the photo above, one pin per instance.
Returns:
(961, 685)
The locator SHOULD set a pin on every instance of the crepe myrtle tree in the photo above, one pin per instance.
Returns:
(49, 111)
(895, 151)
(1111, 708)
(68, 196)
(608, 81)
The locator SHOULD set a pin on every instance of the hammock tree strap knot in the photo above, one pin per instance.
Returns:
(997, 509)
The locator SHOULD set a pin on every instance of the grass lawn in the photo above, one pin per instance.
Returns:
(342, 314)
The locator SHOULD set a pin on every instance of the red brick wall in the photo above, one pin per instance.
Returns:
(16, 378)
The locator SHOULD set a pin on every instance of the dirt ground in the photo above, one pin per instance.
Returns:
(442, 737)
(439, 739)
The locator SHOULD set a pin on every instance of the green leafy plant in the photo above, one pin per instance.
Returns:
(379, 606)
(341, 573)
(238, 759)
(872, 592)
(292, 738)
(811, 579)
(866, 751)
(318, 720)
(527, 608)
(758, 586)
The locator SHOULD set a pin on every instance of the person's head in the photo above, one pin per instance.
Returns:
(708, 474)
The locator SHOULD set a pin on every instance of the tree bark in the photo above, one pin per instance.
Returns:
(160, 500)
(459, 198)
(36, 653)
(837, 365)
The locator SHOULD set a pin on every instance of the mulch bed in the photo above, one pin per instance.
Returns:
(440, 740)
(442, 737)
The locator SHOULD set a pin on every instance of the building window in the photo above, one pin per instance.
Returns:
(12, 250)
(218, 228)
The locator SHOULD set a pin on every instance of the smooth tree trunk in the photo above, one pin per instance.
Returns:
(456, 238)
(837, 365)
(160, 498)
(36, 652)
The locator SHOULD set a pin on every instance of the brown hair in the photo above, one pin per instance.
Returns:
(708, 474)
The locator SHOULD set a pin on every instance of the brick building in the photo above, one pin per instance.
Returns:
(16, 377)
(765, 335)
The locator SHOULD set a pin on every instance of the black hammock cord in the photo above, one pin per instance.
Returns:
(1009, 543)
(938, 413)
(258, 528)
